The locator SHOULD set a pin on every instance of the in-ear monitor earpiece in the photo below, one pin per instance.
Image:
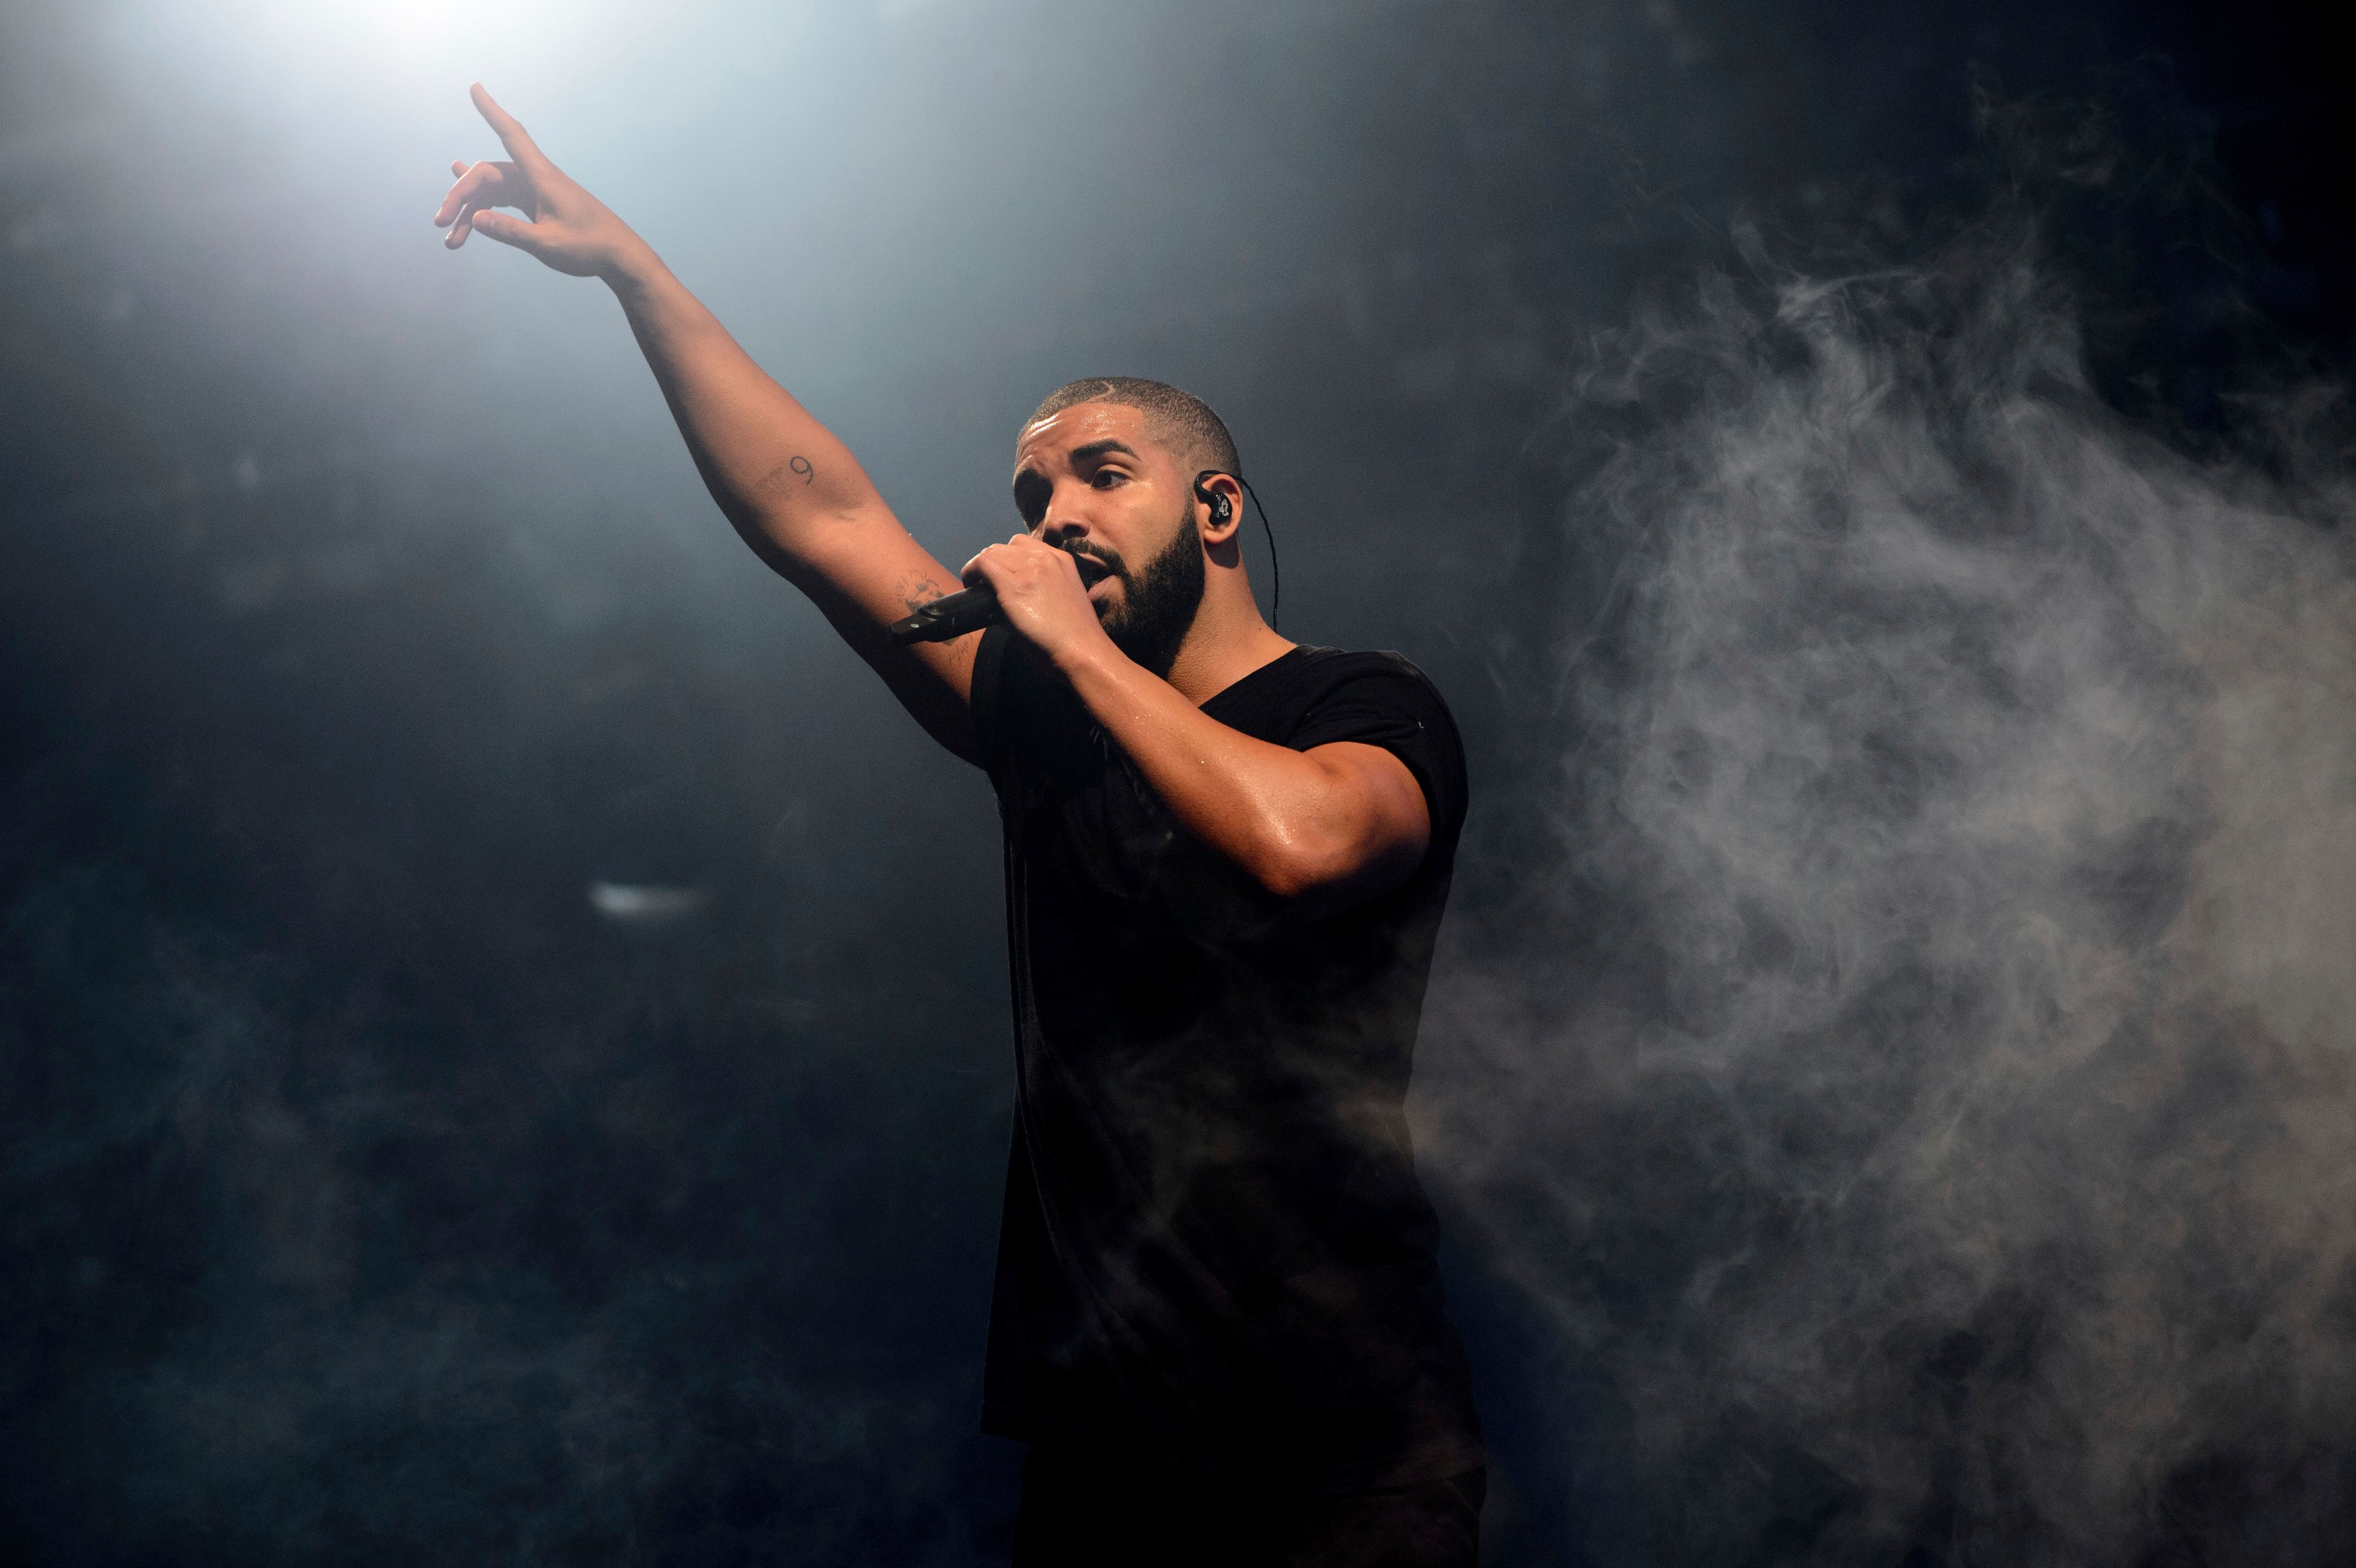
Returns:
(1221, 508)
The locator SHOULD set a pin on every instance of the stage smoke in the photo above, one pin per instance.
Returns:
(1913, 1096)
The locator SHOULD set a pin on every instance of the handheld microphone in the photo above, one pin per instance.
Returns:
(950, 615)
(972, 609)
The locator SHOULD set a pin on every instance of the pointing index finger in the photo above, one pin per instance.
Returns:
(511, 134)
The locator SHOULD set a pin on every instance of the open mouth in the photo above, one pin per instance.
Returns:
(1092, 571)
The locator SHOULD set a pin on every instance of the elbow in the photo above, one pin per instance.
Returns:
(1287, 882)
(1361, 835)
(1321, 873)
(1308, 870)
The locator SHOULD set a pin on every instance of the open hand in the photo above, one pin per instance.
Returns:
(563, 225)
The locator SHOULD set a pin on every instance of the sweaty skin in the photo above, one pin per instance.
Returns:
(1327, 827)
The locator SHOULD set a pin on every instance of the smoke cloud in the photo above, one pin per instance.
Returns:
(1909, 1088)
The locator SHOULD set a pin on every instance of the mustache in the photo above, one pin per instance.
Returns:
(1108, 559)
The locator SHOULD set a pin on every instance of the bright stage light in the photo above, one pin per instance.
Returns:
(421, 27)
(374, 49)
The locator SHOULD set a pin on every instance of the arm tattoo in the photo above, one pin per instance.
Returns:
(774, 479)
(918, 590)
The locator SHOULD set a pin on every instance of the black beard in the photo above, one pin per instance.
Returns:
(1158, 603)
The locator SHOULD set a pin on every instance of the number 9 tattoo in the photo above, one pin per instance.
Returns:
(801, 466)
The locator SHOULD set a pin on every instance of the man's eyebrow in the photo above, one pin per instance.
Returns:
(1085, 453)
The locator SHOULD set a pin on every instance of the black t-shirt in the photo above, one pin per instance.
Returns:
(1215, 1250)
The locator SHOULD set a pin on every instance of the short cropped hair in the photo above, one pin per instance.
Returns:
(1178, 421)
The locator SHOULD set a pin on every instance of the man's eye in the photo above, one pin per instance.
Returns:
(1105, 478)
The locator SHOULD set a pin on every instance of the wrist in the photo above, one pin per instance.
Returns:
(1091, 662)
(632, 268)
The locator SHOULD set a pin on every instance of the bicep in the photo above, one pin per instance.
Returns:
(863, 571)
(1380, 821)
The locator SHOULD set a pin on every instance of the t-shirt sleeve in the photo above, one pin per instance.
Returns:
(1396, 708)
(986, 700)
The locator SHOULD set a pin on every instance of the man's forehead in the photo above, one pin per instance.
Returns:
(1082, 424)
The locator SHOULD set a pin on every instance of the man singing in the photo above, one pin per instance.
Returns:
(1217, 1316)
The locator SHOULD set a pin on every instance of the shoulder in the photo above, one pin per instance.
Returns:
(1323, 677)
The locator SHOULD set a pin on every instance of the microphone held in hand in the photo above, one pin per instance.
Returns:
(950, 615)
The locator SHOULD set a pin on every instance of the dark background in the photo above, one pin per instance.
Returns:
(367, 1193)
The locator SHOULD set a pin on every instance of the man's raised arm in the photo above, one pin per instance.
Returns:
(793, 492)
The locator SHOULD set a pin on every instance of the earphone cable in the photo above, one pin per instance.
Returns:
(1275, 572)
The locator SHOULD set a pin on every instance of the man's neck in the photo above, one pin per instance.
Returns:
(1226, 642)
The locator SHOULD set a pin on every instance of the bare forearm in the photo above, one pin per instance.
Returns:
(779, 476)
(794, 492)
(1294, 823)
(1322, 828)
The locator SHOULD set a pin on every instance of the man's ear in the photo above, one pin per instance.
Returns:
(1221, 500)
